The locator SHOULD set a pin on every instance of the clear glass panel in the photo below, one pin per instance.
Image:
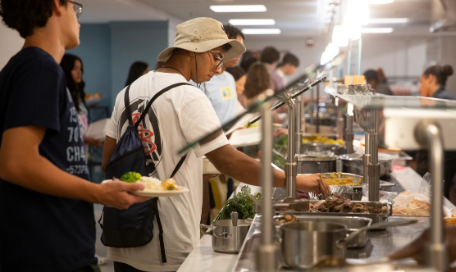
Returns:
(386, 101)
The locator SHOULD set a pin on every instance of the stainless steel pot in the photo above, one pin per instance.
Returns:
(312, 164)
(307, 243)
(353, 163)
(227, 238)
(352, 223)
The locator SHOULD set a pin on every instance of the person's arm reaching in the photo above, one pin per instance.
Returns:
(236, 164)
(22, 164)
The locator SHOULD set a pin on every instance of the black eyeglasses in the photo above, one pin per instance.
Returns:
(217, 57)
(77, 8)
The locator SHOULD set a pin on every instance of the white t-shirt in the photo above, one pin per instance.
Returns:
(221, 91)
(177, 118)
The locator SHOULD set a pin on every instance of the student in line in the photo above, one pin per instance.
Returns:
(177, 118)
(47, 219)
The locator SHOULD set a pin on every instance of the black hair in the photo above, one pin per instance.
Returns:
(270, 55)
(371, 75)
(236, 71)
(26, 15)
(136, 70)
(226, 47)
(289, 59)
(76, 89)
(232, 32)
(441, 73)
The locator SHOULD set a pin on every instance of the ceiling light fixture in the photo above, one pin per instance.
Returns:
(377, 30)
(388, 20)
(261, 31)
(238, 8)
(379, 2)
(252, 21)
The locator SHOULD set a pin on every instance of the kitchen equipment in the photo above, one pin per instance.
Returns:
(313, 164)
(352, 223)
(306, 243)
(342, 89)
(227, 238)
(316, 149)
(353, 163)
(234, 218)
(376, 217)
(339, 176)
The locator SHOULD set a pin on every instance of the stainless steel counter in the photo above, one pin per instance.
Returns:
(381, 244)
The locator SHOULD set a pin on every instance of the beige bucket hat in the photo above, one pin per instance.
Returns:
(201, 35)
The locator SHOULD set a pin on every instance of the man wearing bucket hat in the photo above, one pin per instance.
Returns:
(179, 116)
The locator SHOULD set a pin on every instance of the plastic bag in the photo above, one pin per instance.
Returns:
(414, 204)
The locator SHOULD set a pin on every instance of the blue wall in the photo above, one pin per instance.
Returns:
(95, 52)
(108, 50)
(134, 41)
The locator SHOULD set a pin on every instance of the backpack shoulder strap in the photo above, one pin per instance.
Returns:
(127, 105)
(146, 109)
(179, 164)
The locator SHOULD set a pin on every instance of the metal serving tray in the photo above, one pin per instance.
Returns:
(352, 223)
(376, 217)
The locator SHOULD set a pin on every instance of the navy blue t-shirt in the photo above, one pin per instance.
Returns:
(39, 232)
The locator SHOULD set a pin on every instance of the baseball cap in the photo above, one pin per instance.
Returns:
(201, 35)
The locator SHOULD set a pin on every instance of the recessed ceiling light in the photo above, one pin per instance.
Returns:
(238, 8)
(379, 2)
(261, 31)
(388, 20)
(252, 21)
(376, 30)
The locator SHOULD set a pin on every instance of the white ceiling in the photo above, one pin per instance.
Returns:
(293, 17)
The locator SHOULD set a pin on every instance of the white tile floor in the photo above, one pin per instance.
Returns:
(100, 249)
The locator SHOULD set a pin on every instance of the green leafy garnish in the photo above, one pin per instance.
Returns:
(130, 177)
(243, 204)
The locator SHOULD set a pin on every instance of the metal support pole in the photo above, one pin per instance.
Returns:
(372, 176)
(291, 165)
(429, 134)
(298, 125)
(340, 121)
(349, 134)
(266, 257)
(317, 117)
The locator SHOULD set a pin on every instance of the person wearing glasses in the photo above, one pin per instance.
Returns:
(47, 221)
(221, 89)
(178, 117)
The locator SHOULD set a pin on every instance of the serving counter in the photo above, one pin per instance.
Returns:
(381, 244)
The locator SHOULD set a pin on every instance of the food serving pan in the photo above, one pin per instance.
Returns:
(315, 148)
(308, 164)
(304, 210)
(353, 163)
(358, 179)
(352, 223)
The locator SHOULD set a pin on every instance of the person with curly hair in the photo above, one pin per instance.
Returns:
(47, 219)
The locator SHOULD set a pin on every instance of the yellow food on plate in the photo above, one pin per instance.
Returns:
(154, 184)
